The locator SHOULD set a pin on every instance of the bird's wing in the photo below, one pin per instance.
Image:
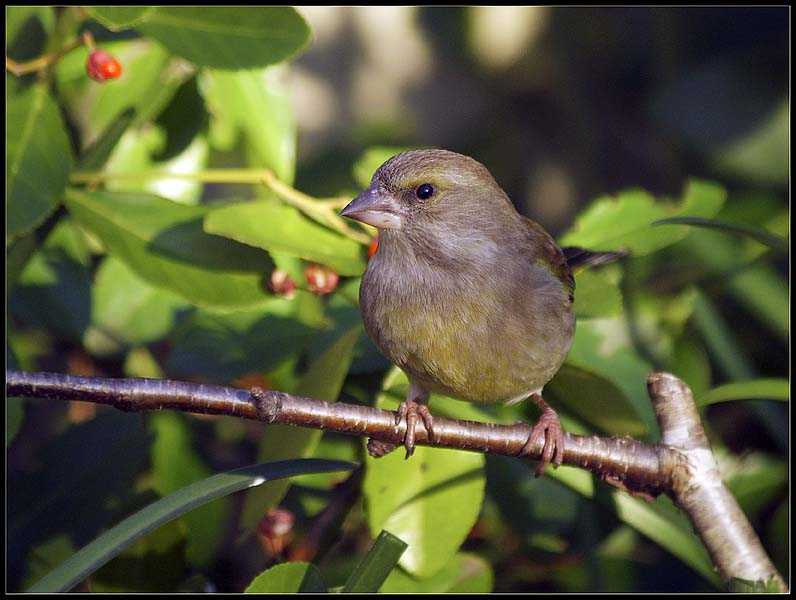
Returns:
(547, 252)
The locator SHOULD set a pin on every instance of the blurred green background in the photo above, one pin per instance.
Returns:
(596, 122)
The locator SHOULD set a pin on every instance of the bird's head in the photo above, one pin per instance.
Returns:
(426, 195)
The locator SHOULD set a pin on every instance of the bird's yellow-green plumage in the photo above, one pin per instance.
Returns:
(467, 296)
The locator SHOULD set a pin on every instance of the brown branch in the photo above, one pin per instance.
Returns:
(699, 490)
(681, 466)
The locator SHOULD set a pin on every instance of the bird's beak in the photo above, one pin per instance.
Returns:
(375, 207)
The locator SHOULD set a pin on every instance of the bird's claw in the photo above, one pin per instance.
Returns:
(548, 426)
(412, 411)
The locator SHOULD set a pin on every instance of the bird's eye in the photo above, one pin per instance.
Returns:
(424, 191)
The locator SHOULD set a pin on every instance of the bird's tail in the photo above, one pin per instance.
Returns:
(578, 257)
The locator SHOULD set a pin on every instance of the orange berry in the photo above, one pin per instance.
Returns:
(101, 66)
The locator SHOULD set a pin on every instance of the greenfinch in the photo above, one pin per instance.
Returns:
(468, 297)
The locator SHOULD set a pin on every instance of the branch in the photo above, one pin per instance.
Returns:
(681, 466)
(699, 490)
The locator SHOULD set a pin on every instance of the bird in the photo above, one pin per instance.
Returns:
(467, 296)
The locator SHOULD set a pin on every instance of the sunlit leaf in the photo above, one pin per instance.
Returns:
(597, 293)
(127, 311)
(430, 501)
(373, 569)
(288, 578)
(163, 242)
(256, 104)
(465, 573)
(626, 221)
(280, 228)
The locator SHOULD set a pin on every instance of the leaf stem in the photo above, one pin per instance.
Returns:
(322, 210)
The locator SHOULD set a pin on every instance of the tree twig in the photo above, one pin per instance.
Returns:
(681, 465)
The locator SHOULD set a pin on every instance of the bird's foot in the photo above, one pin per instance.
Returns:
(548, 426)
(413, 411)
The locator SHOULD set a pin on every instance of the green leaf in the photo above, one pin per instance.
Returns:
(153, 563)
(600, 348)
(95, 156)
(84, 475)
(626, 221)
(595, 399)
(15, 414)
(97, 553)
(465, 573)
(119, 17)
(54, 289)
(176, 464)
(18, 22)
(323, 381)
(240, 37)
(759, 287)
(163, 242)
(288, 578)
(430, 501)
(281, 228)
(222, 344)
(38, 159)
(729, 354)
(377, 564)
(256, 104)
(756, 480)
(370, 160)
(771, 389)
(765, 293)
(661, 522)
(127, 311)
(756, 233)
(597, 293)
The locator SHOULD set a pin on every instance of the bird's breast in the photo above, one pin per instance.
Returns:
(479, 335)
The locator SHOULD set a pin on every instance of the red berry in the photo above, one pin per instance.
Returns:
(374, 245)
(282, 284)
(321, 279)
(101, 66)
